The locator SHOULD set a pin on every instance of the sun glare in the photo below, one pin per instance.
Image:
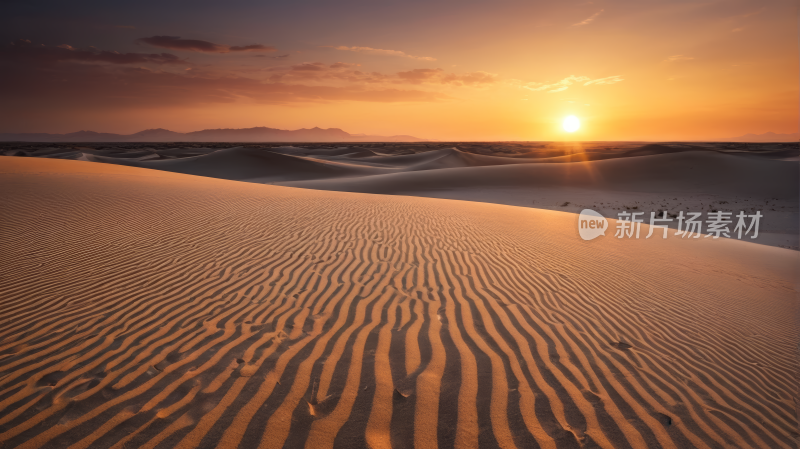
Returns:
(571, 124)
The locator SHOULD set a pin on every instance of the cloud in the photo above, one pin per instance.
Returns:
(316, 72)
(418, 76)
(343, 65)
(313, 67)
(564, 84)
(176, 43)
(607, 80)
(350, 73)
(470, 79)
(557, 86)
(253, 47)
(588, 20)
(59, 78)
(106, 86)
(675, 58)
(379, 51)
(23, 51)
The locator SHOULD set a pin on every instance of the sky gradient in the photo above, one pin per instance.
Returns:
(445, 70)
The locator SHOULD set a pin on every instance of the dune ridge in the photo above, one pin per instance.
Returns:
(705, 172)
(688, 181)
(154, 309)
(246, 164)
(290, 164)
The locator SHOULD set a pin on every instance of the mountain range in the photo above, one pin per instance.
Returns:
(258, 134)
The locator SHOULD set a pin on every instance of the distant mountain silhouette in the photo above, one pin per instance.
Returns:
(258, 134)
(766, 137)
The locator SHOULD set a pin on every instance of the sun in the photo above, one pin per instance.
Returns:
(571, 124)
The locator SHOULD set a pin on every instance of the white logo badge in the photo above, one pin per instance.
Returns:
(591, 224)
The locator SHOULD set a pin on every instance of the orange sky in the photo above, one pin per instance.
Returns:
(630, 70)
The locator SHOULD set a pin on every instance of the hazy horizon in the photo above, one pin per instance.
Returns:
(417, 139)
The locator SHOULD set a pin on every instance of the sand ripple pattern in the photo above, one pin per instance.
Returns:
(177, 312)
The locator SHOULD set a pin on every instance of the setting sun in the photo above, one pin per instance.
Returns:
(571, 124)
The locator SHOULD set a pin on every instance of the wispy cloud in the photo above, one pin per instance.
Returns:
(470, 79)
(558, 86)
(380, 51)
(38, 74)
(176, 43)
(318, 72)
(439, 76)
(675, 58)
(607, 80)
(589, 20)
(112, 85)
(310, 67)
(23, 51)
(564, 84)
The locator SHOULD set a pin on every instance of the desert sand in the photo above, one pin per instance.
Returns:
(689, 181)
(145, 308)
(605, 177)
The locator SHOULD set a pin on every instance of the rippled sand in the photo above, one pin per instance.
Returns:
(153, 309)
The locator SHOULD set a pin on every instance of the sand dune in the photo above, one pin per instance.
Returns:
(144, 308)
(649, 178)
(358, 153)
(447, 158)
(533, 151)
(706, 172)
(338, 151)
(266, 166)
(678, 171)
(430, 160)
(685, 181)
(246, 164)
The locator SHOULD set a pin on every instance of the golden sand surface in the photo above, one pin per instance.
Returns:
(144, 308)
